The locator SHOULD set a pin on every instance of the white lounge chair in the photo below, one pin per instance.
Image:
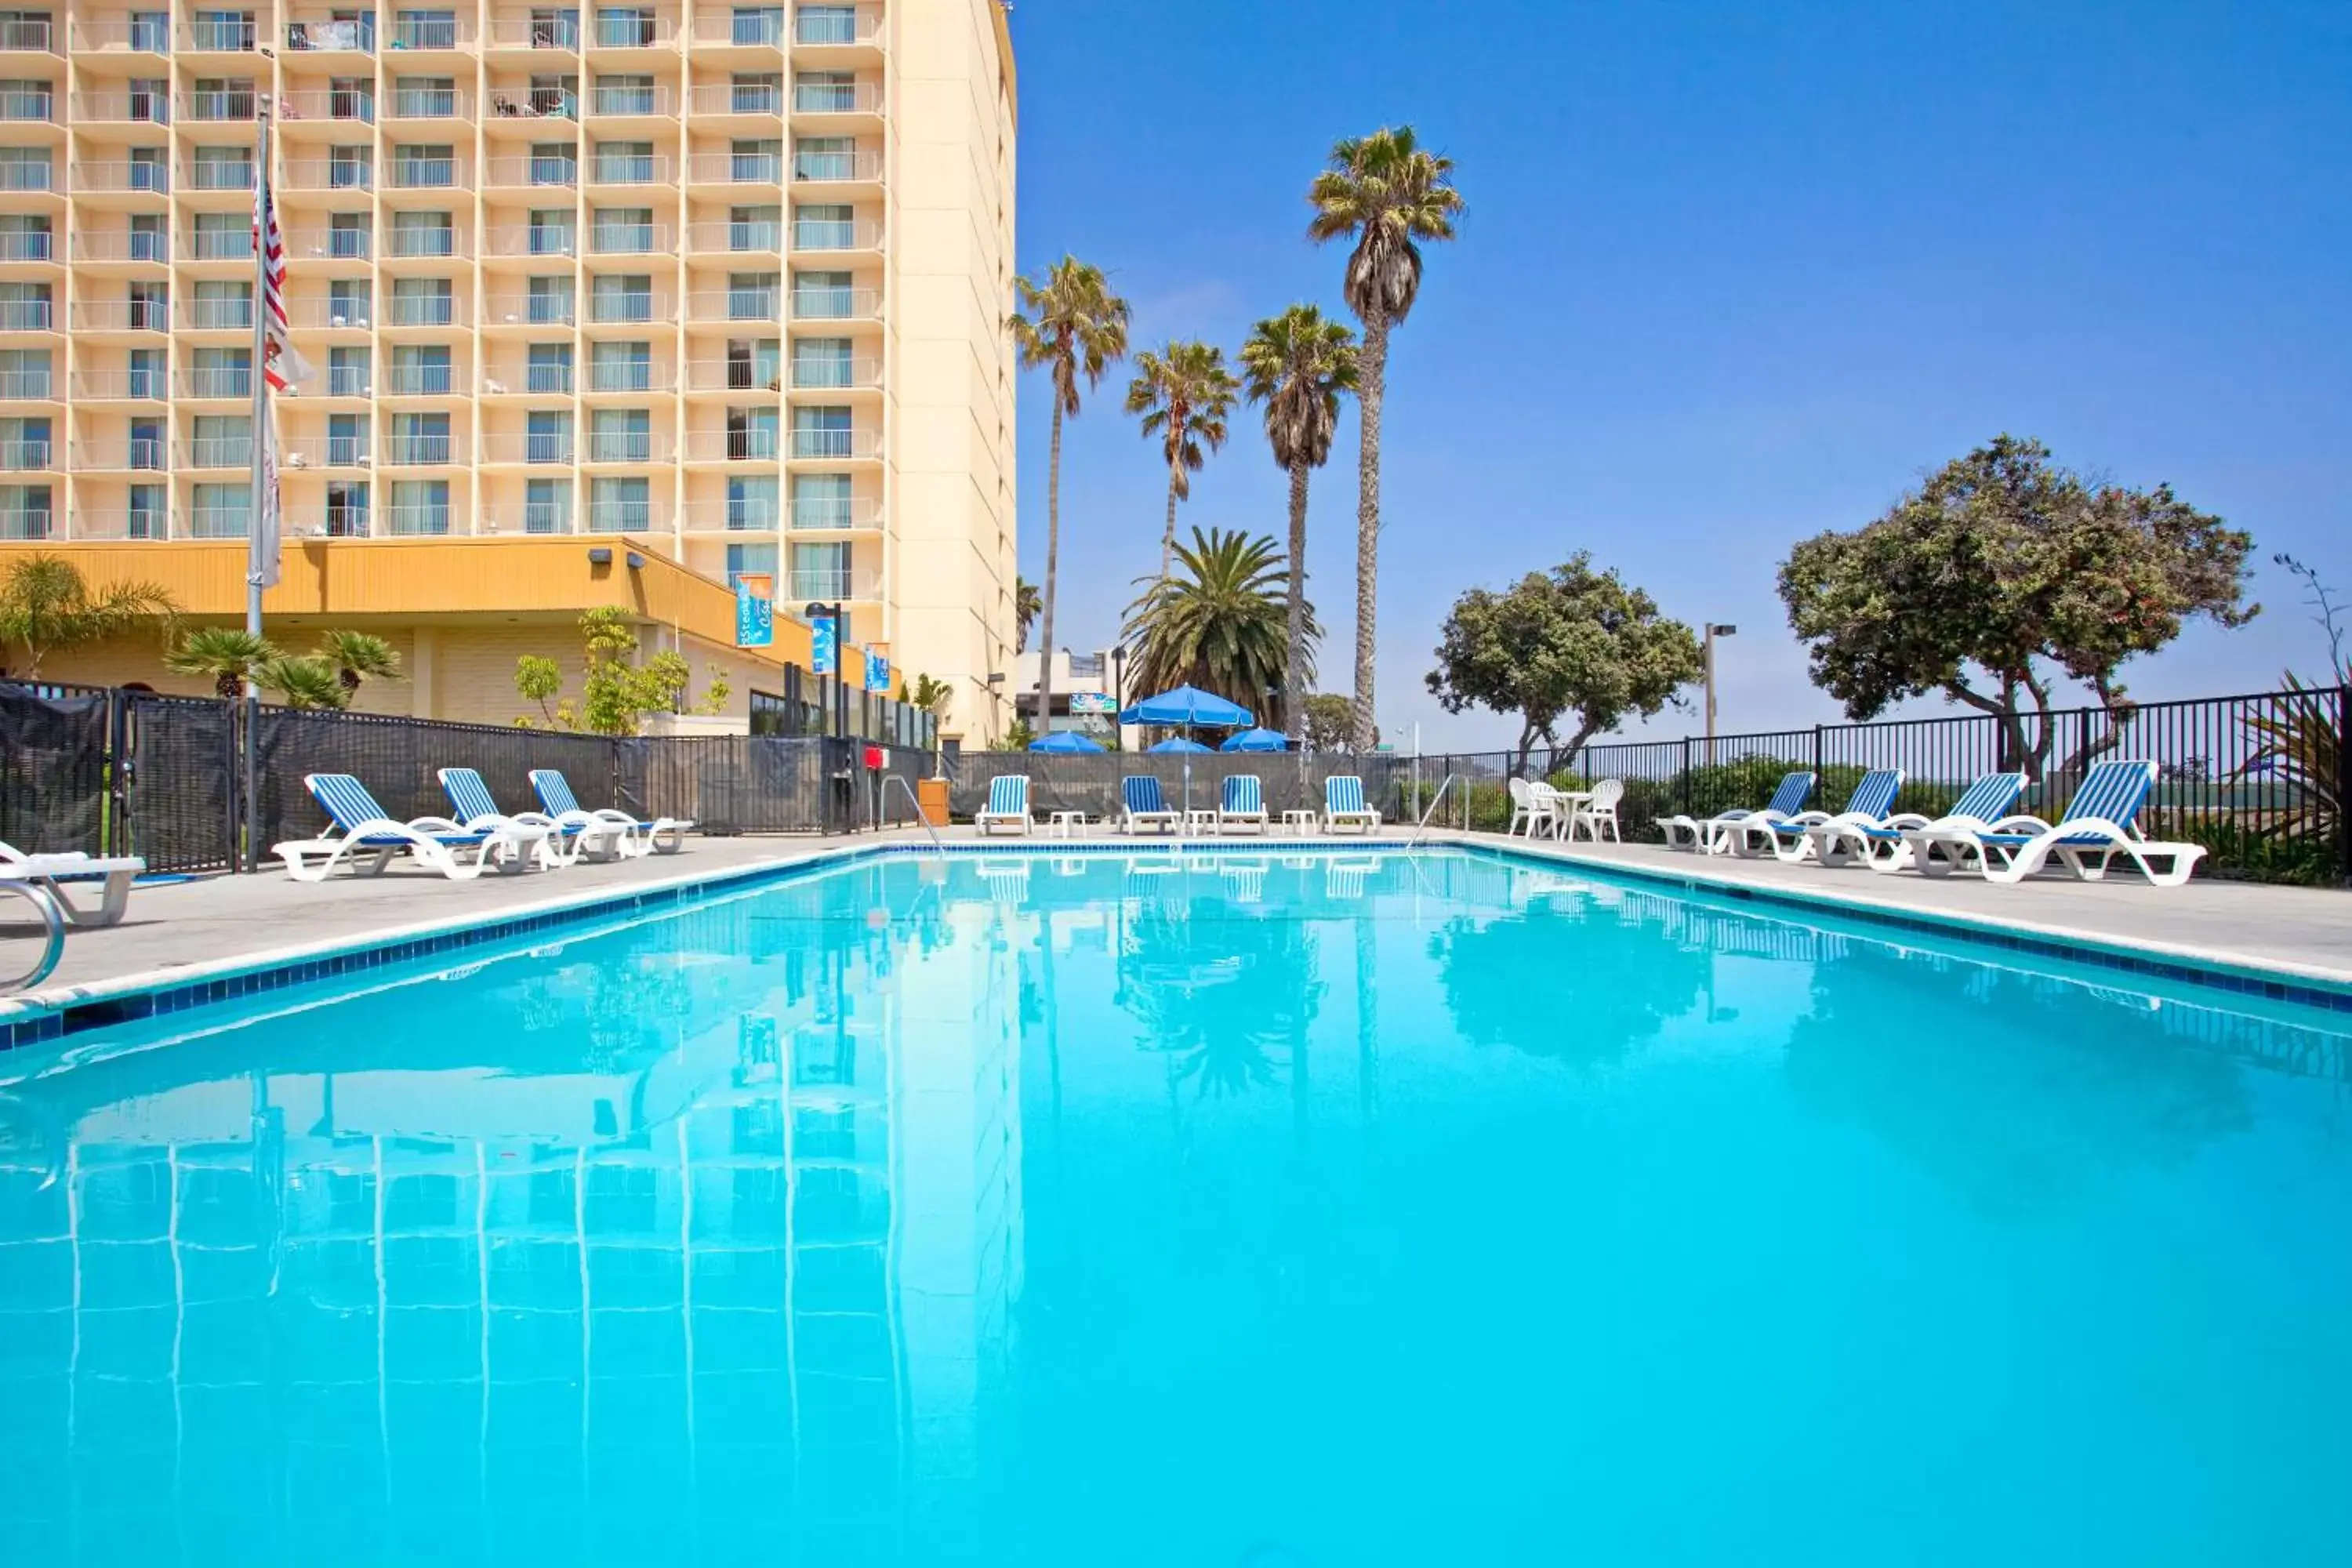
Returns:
(114, 873)
(1147, 809)
(1008, 806)
(1883, 847)
(370, 838)
(1712, 835)
(1791, 840)
(1599, 807)
(473, 806)
(1344, 807)
(2095, 829)
(662, 836)
(1243, 804)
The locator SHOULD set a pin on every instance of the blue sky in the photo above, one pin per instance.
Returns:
(1730, 275)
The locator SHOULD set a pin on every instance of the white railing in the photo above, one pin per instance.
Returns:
(757, 445)
(627, 517)
(809, 303)
(217, 452)
(154, 179)
(739, 168)
(119, 109)
(560, 34)
(753, 29)
(645, 103)
(828, 234)
(28, 245)
(28, 106)
(630, 239)
(833, 583)
(26, 315)
(835, 168)
(329, 174)
(821, 373)
(215, 381)
(216, 315)
(120, 245)
(398, 380)
(216, 245)
(532, 173)
(120, 35)
(218, 106)
(146, 523)
(429, 174)
(630, 169)
(212, 176)
(329, 523)
(631, 375)
(320, 35)
(616, 30)
(214, 522)
(626, 446)
(120, 316)
(736, 239)
(40, 177)
(835, 446)
(748, 305)
(329, 314)
(217, 36)
(120, 456)
(343, 105)
(327, 452)
(741, 516)
(834, 513)
(430, 103)
(532, 447)
(820, 27)
(766, 99)
(630, 310)
(837, 98)
(418, 521)
(119, 385)
(530, 381)
(530, 310)
(329, 245)
(421, 451)
(551, 104)
(528, 517)
(521, 240)
(37, 385)
(37, 33)
(347, 381)
(424, 311)
(428, 33)
(427, 243)
(733, 376)
(29, 455)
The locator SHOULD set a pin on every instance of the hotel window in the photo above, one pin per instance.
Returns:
(630, 94)
(554, 163)
(420, 370)
(223, 168)
(149, 235)
(619, 505)
(549, 301)
(347, 509)
(622, 297)
(25, 511)
(219, 511)
(431, 29)
(424, 165)
(425, 97)
(29, 169)
(620, 436)
(820, 433)
(347, 440)
(550, 369)
(145, 513)
(347, 372)
(547, 506)
(351, 168)
(151, 32)
(624, 27)
(348, 235)
(25, 372)
(822, 225)
(25, 307)
(756, 93)
(151, 101)
(220, 373)
(821, 364)
(420, 439)
(823, 158)
(25, 236)
(751, 502)
(421, 302)
(423, 233)
(222, 237)
(620, 368)
(821, 296)
(756, 160)
(751, 435)
(150, 308)
(754, 296)
(349, 302)
(821, 500)
(146, 372)
(147, 444)
(755, 229)
(625, 162)
(623, 231)
(821, 571)
(752, 561)
(351, 97)
(554, 232)
(220, 305)
(221, 440)
(547, 436)
(222, 97)
(754, 363)
(417, 506)
(149, 171)
(825, 92)
(24, 443)
(821, 24)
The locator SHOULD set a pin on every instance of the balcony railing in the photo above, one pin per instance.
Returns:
(338, 523)
(32, 455)
(626, 446)
(341, 104)
(625, 517)
(219, 36)
(541, 381)
(26, 105)
(349, 36)
(140, 34)
(738, 168)
(834, 513)
(557, 33)
(428, 174)
(814, 26)
(119, 385)
(330, 175)
(119, 245)
(745, 29)
(421, 310)
(837, 98)
(26, 315)
(832, 583)
(428, 32)
(738, 305)
(630, 376)
(630, 239)
(736, 237)
(622, 309)
(216, 381)
(837, 445)
(828, 373)
(216, 315)
(329, 244)
(740, 515)
(610, 169)
(143, 108)
(624, 30)
(348, 380)
(409, 244)
(517, 239)
(653, 102)
(28, 522)
(413, 520)
(534, 172)
(832, 168)
(755, 445)
(531, 517)
(416, 450)
(217, 521)
(763, 98)
(144, 523)
(530, 310)
(214, 245)
(217, 452)
(344, 451)
(418, 379)
(133, 455)
(830, 234)
(36, 34)
(331, 314)
(735, 375)
(217, 176)
(430, 103)
(834, 304)
(213, 108)
(29, 244)
(121, 316)
(43, 176)
(543, 446)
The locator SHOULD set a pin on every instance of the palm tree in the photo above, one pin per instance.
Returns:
(1297, 364)
(228, 654)
(47, 605)
(1025, 613)
(303, 680)
(1183, 392)
(1217, 622)
(934, 696)
(1386, 192)
(352, 655)
(1071, 324)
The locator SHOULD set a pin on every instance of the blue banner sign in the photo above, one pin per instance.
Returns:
(823, 652)
(755, 619)
(877, 672)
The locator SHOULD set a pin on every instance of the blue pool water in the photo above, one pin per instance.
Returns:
(1342, 1211)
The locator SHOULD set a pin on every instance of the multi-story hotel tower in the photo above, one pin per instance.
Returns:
(724, 283)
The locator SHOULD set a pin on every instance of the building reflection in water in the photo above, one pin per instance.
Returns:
(687, 1240)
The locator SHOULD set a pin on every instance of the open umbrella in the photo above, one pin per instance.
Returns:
(1177, 743)
(1256, 740)
(1187, 706)
(1068, 742)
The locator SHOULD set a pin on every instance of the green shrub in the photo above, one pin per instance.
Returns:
(2233, 850)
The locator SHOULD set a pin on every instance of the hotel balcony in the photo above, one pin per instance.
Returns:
(216, 383)
(325, 313)
(430, 312)
(427, 245)
(518, 36)
(26, 109)
(234, 106)
(831, 514)
(805, 304)
(329, 174)
(632, 309)
(139, 45)
(859, 166)
(631, 171)
(409, 174)
(90, 111)
(836, 108)
(512, 241)
(231, 39)
(830, 584)
(528, 517)
(518, 110)
(421, 451)
(304, 453)
(632, 239)
(732, 376)
(211, 523)
(743, 307)
(531, 173)
(512, 378)
(624, 377)
(627, 517)
(737, 516)
(36, 385)
(529, 311)
(612, 109)
(33, 456)
(530, 448)
(836, 36)
(119, 385)
(763, 446)
(121, 455)
(827, 236)
(134, 315)
(626, 448)
(222, 251)
(343, 381)
(443, 106)
(327, 41)
(214, 453)
(833, 445)
(325, 113)
(99, 182)
(30, 245)
(615, 36)
(120, 247)
(217, 185)
(764, 241)
(30, 34)
(754, 105)
(740, 174)
(308, 246)
(329, 523)
(429, 35)
(830, 375)
(751, 38)
(394, 380)
(119, 524)
(28, 316)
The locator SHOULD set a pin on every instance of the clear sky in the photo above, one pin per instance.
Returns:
(1730, 275)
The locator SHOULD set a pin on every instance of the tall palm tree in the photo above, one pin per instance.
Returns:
(1025, 613)
(1183, 392)
(47, 605)
(1387, 193)
(1070, 326)
(226, 653)
(1297, 364)
(354, 656)
(1218, 621)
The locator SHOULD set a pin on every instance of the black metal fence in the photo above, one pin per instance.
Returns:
(1091, 782)
(816, 706)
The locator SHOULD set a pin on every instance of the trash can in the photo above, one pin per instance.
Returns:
(931, 794)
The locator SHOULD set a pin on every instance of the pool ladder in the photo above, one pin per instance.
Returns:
(1444, 784)
(53, 934)
(908, 791)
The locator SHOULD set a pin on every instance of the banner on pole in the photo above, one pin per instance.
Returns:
(755, 612)
(877, 672)
(823, 634)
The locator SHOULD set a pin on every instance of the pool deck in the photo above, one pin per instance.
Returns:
(179, 933)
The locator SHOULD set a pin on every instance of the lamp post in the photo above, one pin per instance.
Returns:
(1713, 630)
(1118, 693)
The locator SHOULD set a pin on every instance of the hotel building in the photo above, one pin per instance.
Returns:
(716, 289)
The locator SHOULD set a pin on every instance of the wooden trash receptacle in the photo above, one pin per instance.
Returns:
(931, 794)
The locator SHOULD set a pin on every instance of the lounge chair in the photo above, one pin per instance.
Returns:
(1712, 835)
(663, 834)
(1791, 840)
(2095, 829)
(474, 806)
(115, 874)
(1883, 847)
(1147, 809)
(1597, 808)
(1243, 804)
(1008, 806)
(371, 836)
(1343, 806)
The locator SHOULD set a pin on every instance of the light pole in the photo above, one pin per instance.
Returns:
(1713, 630)
(1117, 692)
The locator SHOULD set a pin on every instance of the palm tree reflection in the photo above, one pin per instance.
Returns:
(1225, 991)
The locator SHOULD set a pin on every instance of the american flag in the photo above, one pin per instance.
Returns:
(281, 365)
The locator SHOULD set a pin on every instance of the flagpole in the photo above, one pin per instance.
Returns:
(255, 568)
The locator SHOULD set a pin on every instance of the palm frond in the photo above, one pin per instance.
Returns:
(1389, 195)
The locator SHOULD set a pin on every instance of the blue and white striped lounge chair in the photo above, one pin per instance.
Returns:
(1343, 804)
(663, 834)
(1147, 809)
(1883, 847)
(1008, 806)
(368, 837)
(1242, 805)
(1792, 839)
(473, 805)
(2095, 829)
(114, 873)
(1712, 835)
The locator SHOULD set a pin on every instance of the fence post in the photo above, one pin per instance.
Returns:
(1817, 755)
(116, 839)
(2343, 783)
(1685, 777)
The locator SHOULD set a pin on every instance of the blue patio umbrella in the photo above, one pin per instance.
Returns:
(1256, 740)
(1068, 742)
(1177, 743)
(1186, 707)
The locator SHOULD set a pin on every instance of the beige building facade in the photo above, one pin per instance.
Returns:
(722, 283)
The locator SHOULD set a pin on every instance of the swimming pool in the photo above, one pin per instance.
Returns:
(1329, 1209)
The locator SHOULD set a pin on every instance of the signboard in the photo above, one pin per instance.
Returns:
(823, 636)
(877, 672)
(1092, 702)
(755, 613)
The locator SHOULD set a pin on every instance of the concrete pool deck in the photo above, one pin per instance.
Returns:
(179, 933)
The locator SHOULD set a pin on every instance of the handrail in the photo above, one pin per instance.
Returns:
(908, 791)
(1447, 783)
(45, 903)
